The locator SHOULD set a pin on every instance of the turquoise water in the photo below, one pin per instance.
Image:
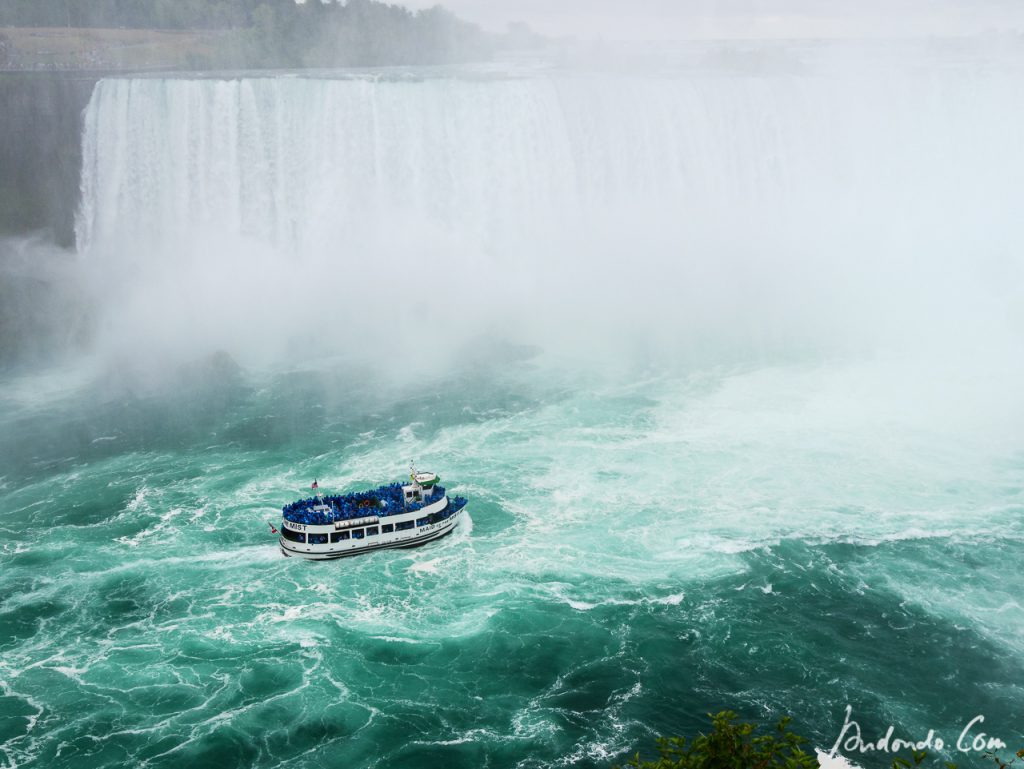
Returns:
(637, 554)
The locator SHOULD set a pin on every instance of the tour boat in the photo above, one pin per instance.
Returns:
(395, 515)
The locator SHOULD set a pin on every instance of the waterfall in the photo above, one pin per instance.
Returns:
(737, 204)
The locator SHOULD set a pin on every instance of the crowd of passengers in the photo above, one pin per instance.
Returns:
(454, 505)
(387, 500)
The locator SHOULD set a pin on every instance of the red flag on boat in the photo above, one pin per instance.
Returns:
(272, 529)
(316, 485)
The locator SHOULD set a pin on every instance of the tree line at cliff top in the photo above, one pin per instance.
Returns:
(279, 32)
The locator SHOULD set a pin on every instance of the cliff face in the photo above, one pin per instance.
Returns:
(41, 151)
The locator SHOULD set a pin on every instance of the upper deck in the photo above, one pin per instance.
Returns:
(390, 499)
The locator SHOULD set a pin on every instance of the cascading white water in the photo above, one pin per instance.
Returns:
(782, 209)
(291, 160)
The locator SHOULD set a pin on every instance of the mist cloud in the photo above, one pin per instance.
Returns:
(750, 19)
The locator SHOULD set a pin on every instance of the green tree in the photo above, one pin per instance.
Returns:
(996, 759)
(731, 744)
(736, 745)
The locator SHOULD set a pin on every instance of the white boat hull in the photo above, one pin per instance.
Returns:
(399, 539)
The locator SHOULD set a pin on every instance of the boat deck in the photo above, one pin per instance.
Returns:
(383, 501)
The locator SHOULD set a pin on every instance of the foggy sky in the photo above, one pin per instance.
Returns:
(702, 19)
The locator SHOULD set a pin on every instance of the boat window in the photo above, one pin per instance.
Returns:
(372, 531)
(357, 534)
(387, 528)
(423, 521)
(339, 535)
(318, 539)
(293, 536)
(404, 526)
